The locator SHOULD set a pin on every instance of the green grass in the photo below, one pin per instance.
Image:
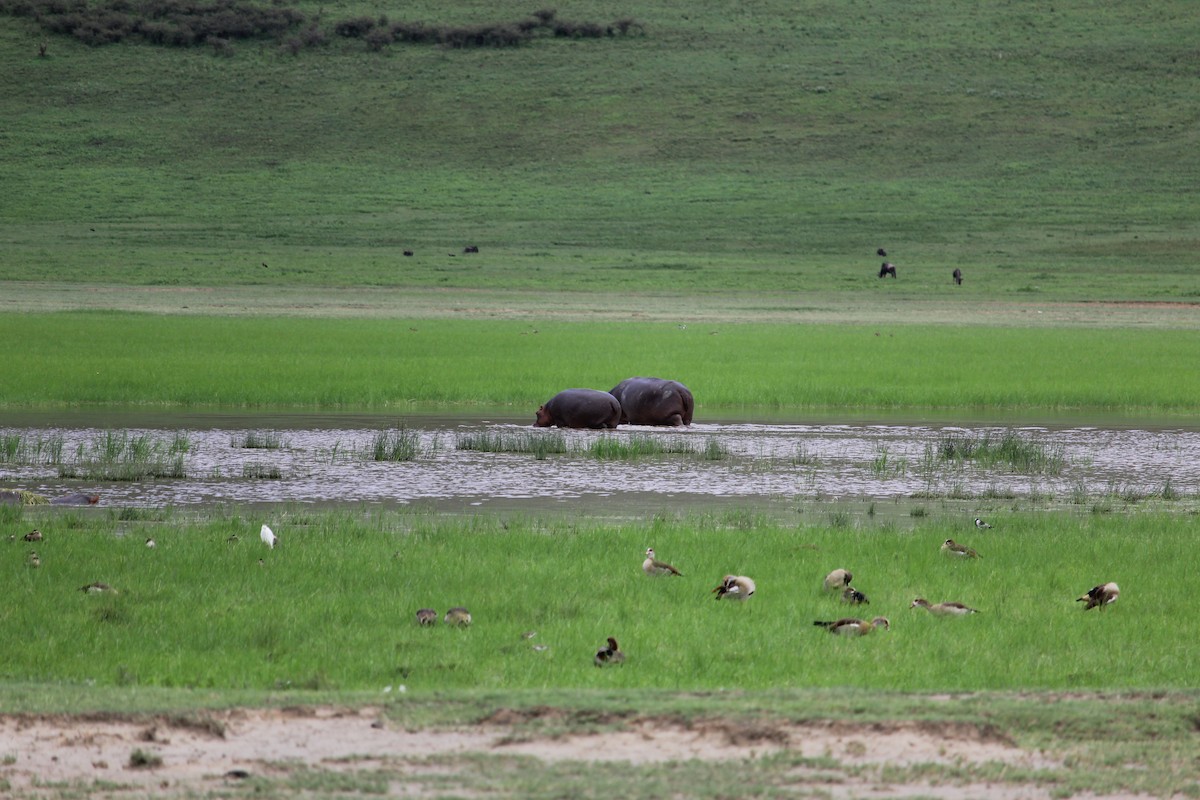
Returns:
(1020, 452)
(148, 360)
(119, 456)
(202, 612)
(400, 444)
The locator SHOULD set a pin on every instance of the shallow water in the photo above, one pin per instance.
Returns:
(322, 461)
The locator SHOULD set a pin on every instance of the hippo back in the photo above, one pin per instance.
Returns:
(654, 401)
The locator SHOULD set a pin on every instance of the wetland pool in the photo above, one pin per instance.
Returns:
(326, 459)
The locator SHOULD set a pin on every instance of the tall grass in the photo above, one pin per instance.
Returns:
(400, 444)
(201, 611)
(258, 440)
(17, 448)
(119, 456)
(1020, 452)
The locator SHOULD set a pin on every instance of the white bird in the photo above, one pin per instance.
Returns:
(268, 536)
(979, 523)
(735, 587)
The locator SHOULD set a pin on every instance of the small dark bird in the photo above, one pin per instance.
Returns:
(957, 276)
(609, 655)
(33, 536)
(1103, 595)
(881, 253)
(408, 252)
(854, 597)
(265, 265)
(426, 616)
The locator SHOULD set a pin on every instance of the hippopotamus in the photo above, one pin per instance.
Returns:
(77, 499)
(654, 401)
(580, 408)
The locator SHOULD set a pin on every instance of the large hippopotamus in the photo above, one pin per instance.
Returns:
(654, 401)
(580, 408)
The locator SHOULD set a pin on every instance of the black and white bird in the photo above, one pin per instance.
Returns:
(653, 567)
(609, 654)
(852, 626)
(950, 609)
(151, 544)
(1103, 595)
(268, 536)
(953, 548)
(854, 597)
(735, 587)
(979, 523)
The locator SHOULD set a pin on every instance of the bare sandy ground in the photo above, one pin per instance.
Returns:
(202, 754)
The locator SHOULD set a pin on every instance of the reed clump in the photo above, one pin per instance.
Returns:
(120, 456)
(1020, 452)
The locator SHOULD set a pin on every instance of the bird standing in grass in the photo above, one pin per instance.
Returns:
(426, 617)
(35, 560)
(854, 597)
(979, 523)
(953, 548)
(852, 626)
(1103, 595)
(653, 567)
(268, 536)
(151, 544)
(943, 609)
(99, 587)
(838, 579)
(735, 587)
(609, 654)
(33, 536)
(458, 616)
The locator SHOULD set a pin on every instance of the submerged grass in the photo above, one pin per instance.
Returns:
(120, 456)
(1013, 449)
(189, 613)
(400, 444)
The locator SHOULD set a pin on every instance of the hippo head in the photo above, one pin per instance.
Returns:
(543, 420)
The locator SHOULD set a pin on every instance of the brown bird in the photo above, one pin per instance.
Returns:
(735, 587)
(98, 587)
(953, 548)
(838, 579)
(852, 626)
(652, 566)
(943, 609)
(33, 536)
(609, 654)
(458, 616)
(426, 616)
(1102, 595)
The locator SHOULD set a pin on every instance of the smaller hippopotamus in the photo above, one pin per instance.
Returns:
(654, 401)
(580, 408)
(76, 499)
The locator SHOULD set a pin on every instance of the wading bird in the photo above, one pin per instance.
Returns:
(268, 536)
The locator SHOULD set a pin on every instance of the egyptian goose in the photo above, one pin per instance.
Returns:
(852, 626)
(943, 609)
(1102, 595)
(457, 616)
(268, 536)
(97, 588)
(953, 548)
(979, 523)
(35, 561)
(838, 579)
(652, 566)
(735, 587)
(33, 536)
(854, 597)
(426, 616)
(609, 654)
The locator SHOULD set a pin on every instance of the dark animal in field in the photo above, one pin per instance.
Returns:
(957, 276)
(654, 401)
(471, 249)
(580, 408)
(408, 252)
(76, 499)
(887, 269)
(881, 253)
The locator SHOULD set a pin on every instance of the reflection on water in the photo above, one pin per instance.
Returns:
(323, 460)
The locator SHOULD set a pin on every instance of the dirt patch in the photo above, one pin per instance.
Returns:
(204, 751)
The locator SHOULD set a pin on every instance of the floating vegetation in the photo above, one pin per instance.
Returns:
(1012, 449)
(117, 456)
(257, 440)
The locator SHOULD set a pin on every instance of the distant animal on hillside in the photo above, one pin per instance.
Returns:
(881, 253)
(470, 249)
(886, 269)
(408, 252)
(957, 276)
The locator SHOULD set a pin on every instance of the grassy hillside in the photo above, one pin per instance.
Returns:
(751, 146)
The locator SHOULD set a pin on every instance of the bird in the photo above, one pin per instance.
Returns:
(881, 252)
(99, 587)
(150, 543)
(1102, 595)
(735, 587)
(852, 626)
(426, 616)
(609, 654)
(953, 548)
(652, 566)
(838, 579)
(457, 616)
(33, 536)
(943, 609)
(34, 560)
(268, 536)
(854, 596)
(979, 523)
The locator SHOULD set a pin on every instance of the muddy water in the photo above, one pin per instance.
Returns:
(323, 460)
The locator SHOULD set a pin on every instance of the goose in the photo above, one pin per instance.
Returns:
(33, 536)
(1102, 595)
(35, 561)
(838, 579)
(652, 566)
(943, 609)
(735, 587)
(854, 597)
(99, 587)
(953, 548)
(426, 616)
(151, 544)
(457, 616)
(979, 523)
(268, 536)
(852, 626)
(609, 654)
